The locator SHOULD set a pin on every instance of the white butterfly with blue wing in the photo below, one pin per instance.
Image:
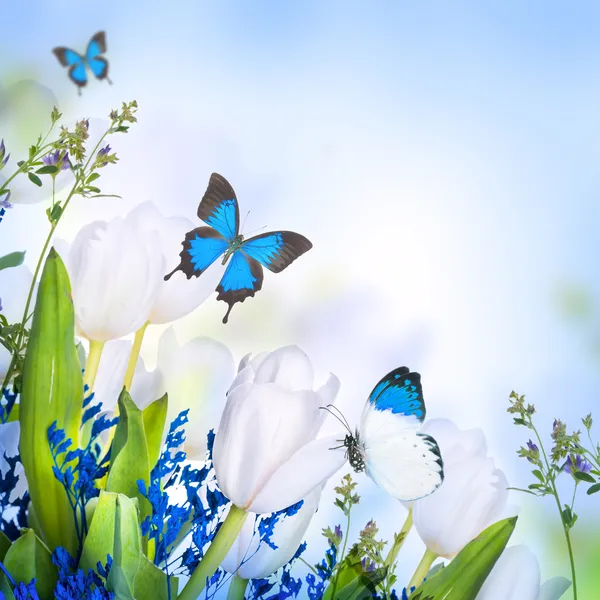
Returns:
(389, 446)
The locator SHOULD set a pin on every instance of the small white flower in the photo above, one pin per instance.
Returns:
(516, 576)
(266, 453)
(472, 497)
(250, 559)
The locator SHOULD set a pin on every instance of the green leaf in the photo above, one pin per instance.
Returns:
(581, 476)
(34, 179)
(151, 582)
(114, 530)
(14, 259)
(93, 189)
(47, 170)
(29, 558)
(537, 473)
(362, 587)
(463, 577)
(52, 390)
(155, 416)
(92, 177)
(4, 545)
(593, 489)
(129, 454)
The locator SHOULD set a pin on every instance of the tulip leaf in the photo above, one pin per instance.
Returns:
(151, 582)
(5, 587)
(129, 453)
(463, 577)
(352, 581)
(4, 545)
(52, 390)
(14, 259)
(155, 416)
(114, 531)
(29, 558)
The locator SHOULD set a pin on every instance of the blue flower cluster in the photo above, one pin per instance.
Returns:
(170, 523)
(289, 587)
(316, 587)
(78, 469)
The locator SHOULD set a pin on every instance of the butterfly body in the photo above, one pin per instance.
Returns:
(388, 444)
(246, 257)
(79, 64)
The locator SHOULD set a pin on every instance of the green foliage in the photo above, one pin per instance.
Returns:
(29, 558)
(52, 390)
(155, 418)
(463, 577)
(129, 454)
(14, 259)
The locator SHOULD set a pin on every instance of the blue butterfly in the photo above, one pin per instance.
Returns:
(244, 275)
(77, 64)
(388, 445)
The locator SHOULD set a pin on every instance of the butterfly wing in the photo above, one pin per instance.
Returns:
(276, 250)
(402, 461)
(219, 207)
(75, 62)
(98, 64)
(243, 278)
(201, 247)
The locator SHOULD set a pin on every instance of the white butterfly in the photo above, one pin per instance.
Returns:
(388, 445)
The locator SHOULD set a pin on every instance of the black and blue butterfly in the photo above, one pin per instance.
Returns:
(79, 64)
(244, 274)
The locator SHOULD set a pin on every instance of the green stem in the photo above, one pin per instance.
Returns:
(237, 588)
(422, 569)
(308, 565)
(135, 353)
(395, 549)
(399, 541)
(91, 364)
(558, 505)
(215, 554)
(341, 560)
(13, 361)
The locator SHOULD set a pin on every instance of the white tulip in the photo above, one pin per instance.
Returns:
(472, 497)
(195, 375)
(178, 296)
(516, 576)
(266, 453)
(251, 559)
(14, 287)
(115, 271)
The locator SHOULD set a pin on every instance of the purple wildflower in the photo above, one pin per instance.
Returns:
(56, 159)
(103, 152)
(579, 465)
(4, 203)
(3, 156)
(534, 452)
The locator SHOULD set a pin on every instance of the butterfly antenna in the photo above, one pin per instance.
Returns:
(339, 412)
(342, 421)
(244, 222)
(255, 230)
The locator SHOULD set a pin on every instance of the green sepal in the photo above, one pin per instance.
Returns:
(14, 259)
(114, 531)
(52, 390)
(155, 417)
(4, 545)
(29, 558)
(151, 582)
(129, 454)
(463, 577)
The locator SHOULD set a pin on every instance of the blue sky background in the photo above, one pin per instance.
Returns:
(442, 157)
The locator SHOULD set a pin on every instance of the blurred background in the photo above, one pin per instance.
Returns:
(442, 157)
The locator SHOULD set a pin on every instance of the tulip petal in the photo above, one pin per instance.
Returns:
(288, 367)
(515, 576)
(455, 444)
(309, 467)
(195, 376)
(554, 588)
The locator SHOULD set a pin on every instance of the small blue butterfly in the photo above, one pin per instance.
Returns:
(77, 63)
(389, 446)
(244, 275)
